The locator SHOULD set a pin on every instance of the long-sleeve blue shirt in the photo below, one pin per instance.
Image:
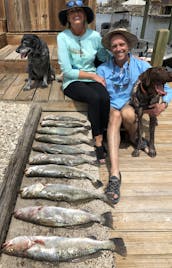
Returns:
(77, 53)
(120, 81)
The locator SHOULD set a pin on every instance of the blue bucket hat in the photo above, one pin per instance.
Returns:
(73, 4)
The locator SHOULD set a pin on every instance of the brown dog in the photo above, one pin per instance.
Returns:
(148, 90)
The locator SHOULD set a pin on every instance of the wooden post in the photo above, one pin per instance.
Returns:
(160, 44)
(170, 29)
(142, 34)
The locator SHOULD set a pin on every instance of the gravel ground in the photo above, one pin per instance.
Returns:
(12, 119)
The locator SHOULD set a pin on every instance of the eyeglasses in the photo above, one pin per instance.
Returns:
(77, 3)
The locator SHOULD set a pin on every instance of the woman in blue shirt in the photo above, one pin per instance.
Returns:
(78, 48)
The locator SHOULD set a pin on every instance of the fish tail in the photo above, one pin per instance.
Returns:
(120, 247)
(90, 153)
(89, 142)
(107, 200)
(87, 127)
(107, 219)
(97, 183)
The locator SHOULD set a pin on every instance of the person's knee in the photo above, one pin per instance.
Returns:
(128, 116)
(114, 117)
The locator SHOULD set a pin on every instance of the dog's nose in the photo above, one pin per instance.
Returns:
(17, 50)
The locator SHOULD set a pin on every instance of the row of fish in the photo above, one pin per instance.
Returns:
(56, 160)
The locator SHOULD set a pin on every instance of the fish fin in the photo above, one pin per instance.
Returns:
(85, 258)
(92, 237)
(107, 219)
(98, 184)
(120, 247)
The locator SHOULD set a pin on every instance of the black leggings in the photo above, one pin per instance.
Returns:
(97, 98)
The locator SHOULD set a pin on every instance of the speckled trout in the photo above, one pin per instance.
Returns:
(61, 217)
(63, 118)
(59, 159)
(64, 124)
(62, 131)
(59, 171)
(60, 149)
(60, 249)
(61, 192)
(63, 140)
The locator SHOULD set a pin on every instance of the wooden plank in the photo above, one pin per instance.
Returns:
(26, 95)
(139, 222)
(54, 54)
(147, 243)
(5, 51)
(144, 204)
(7, 80)
(14, 172)
(15, 88)
(64, 106)
(42, 94)
(56, 93)
(140, 261)
(142, 189)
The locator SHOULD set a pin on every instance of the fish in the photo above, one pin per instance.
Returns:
(62, 131)
(61, 217)
(63, 118)
(61, 192)
(59, 159)
(64, 124)
(63, 140)
(60, 249)
(60, 149)
(59, 171)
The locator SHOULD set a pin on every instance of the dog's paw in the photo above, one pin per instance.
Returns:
(44, 85)
(152, 152)
(135, 153)
(26, 88)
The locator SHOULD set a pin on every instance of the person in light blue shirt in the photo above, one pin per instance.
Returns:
(121, 72)
(78, 48)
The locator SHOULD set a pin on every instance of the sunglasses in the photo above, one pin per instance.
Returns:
(77, 3)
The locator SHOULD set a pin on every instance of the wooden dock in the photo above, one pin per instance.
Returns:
(143, 217)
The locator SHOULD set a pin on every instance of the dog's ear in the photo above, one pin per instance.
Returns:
(37, 45)
(145, 77)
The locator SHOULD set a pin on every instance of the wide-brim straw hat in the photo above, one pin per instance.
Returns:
(132, 39)
(73, 4)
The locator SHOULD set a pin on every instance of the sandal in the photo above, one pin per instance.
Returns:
(113, 188)
(100, 153)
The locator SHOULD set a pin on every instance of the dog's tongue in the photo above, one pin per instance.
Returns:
(23, 55)
(160, 90)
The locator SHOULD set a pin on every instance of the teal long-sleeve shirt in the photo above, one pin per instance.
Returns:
(77, 53)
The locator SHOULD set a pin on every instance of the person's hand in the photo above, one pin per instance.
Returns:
(156, 109)
(100, 80)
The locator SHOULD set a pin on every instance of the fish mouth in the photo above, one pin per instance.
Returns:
(160, 90)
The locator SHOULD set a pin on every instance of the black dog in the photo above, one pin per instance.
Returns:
(39, 67)
(148, 90)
